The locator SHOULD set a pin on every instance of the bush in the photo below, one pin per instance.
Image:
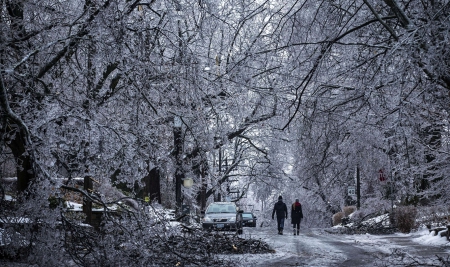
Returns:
(337, 218)
(349, 210)
(405, 218)
(54, 202)
(433, 216)
(358, 215)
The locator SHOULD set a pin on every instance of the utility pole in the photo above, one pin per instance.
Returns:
(358, 188)
(87, 203)
(219, 196)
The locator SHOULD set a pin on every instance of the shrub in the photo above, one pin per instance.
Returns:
(54, 202)
(358, 215)
(433, 216)
(337, 218)
(405, 218)
(349, 210)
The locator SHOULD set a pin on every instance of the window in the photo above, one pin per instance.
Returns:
(221, 208)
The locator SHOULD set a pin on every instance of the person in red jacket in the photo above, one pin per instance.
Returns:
(296, 216)
(282, 213)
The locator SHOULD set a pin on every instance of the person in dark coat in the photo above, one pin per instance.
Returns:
(281, 209)
(296, 216)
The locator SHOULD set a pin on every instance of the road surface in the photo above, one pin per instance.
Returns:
(315, 247)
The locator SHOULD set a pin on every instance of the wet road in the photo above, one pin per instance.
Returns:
(314, 247)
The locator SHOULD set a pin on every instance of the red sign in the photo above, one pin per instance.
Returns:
(381, 175)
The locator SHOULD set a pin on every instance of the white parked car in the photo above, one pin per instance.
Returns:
(224, 216)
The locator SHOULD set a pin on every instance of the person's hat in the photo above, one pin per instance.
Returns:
(280, 198)
(296, 200)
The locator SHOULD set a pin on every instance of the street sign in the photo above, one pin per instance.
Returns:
(381, 175)
(351, 191)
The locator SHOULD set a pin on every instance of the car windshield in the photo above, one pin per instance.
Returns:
(215, 208)
(247, 215)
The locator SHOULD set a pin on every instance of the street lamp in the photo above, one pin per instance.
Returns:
(188, 182)
(177, 122)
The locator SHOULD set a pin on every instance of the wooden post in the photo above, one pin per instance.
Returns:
(87, 204)
(218, 197)
(203, 189)
(358, 188)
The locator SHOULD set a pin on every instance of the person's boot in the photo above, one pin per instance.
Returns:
(281, 231)
(294, 231)
(298, 232)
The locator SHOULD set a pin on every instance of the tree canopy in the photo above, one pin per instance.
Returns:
(247, 98)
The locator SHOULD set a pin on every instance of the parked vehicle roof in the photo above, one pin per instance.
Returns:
(222, 207)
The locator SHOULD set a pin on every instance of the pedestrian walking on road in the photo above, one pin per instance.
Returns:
(281, 209)
(296, 216)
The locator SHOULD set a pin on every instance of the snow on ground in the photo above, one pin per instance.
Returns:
(288, 246)
(421, 236)
(424, 237)
(315, 247)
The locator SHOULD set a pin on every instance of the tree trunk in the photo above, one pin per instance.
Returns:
(19, 143)
(178, 146)
(24, 166)
(153, 186)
